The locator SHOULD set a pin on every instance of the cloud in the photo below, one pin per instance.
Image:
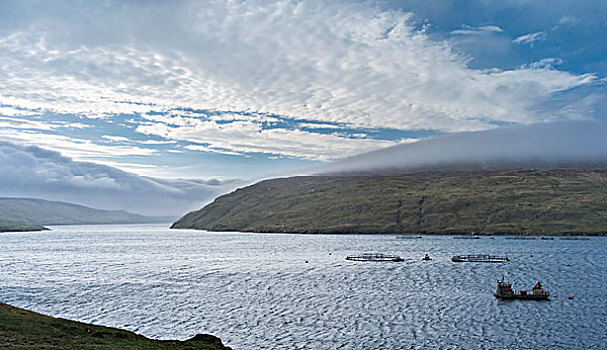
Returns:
(319, 126)
(529, 39)
(210, 149)
(468, 30)
(247, 134)
(115, 138)
(545, 63)
(568, 20)
(18, 132)
(12, 111)
(550, 145)
(39, 173)
(334, 62)
(18, 123)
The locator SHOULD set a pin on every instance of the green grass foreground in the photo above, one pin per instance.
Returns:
(22, 329)
(534, 202)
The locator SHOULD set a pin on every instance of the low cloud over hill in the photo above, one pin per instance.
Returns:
(541, 146)
(39, 173)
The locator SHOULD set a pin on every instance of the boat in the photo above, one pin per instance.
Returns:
(374, 257)
(479, 258)
(504, 291)
(427, 258)
(522, 238)
(409, 237)
(467, 237)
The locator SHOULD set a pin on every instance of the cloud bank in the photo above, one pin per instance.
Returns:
(539, 146)
(339, 61)
(39, 173)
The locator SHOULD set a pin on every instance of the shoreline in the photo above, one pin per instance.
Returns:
(338, 233)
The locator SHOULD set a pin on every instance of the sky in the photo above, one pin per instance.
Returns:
(250, 89)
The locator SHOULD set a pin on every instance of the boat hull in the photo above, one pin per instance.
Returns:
(523, 297)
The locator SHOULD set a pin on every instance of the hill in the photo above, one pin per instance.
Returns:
(22, 329)
(480, 202)
(8, 226)
(42, 212)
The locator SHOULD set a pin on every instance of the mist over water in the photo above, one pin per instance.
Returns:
(580, 144)
(256, 291)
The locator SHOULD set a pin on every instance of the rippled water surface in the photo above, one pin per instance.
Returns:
(277, 291)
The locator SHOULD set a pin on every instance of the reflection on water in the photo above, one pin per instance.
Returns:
(256, 291)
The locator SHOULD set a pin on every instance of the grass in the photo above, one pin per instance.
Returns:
(43, 212)
(22, 329)
(9, 226)
(490, 202)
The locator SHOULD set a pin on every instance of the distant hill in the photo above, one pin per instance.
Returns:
(481, 202)
(42, 212)
(9, 226)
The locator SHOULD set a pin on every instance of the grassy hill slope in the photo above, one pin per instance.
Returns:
(22, 329)
(42, 212)
(488, 202)
(8, 226)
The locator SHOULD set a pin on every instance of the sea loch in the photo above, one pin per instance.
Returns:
(281, 291)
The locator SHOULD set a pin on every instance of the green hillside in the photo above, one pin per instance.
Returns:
(22, 329)
(487, 202)
(8, 226)
(42, 212)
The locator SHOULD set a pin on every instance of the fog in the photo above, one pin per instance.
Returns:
(579, 144)
(38, 173)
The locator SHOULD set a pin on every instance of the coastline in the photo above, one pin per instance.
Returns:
(449, 234)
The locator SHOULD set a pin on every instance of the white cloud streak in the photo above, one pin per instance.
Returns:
(468, 30)
(529, 39)
(80, 149)
(115, 138)
(209, 149)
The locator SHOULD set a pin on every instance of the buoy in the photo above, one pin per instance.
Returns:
(306, 261)
(570, 297)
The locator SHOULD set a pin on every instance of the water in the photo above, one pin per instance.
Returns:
(256, 291)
